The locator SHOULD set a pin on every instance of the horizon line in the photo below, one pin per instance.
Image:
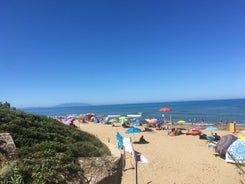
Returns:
(57, 106)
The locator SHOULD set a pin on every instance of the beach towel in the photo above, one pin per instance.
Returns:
(120, 140)
(128, 146)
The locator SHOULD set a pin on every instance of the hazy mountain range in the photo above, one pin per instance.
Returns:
(72, 104)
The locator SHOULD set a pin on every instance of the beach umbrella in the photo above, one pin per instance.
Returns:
(68, 120)
(153, 121)
(133, 130)
(236, 152)
(123, 119)
(181, 122)
(224, 143)
(165, 109)
(211, 128)
(112, 120)
(136, 123)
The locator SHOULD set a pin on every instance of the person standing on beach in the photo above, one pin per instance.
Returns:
(234, 126)
(220, 122)
(202, 121)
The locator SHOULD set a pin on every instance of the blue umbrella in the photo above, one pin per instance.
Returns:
(133, 130)
(136, 123)
(211, 128)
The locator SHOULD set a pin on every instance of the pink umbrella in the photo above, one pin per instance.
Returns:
(68, 120)
(165, 109)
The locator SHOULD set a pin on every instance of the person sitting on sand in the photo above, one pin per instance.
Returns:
(148, 129)
(178, 131)
(216, 137)
(172, 131)
(142, 140)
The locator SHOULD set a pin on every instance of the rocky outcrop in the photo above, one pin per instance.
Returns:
(7, 146)
(102, 170)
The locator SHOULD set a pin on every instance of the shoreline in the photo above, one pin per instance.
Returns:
(207, 111)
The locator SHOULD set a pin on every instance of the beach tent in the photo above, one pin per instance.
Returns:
(236, 152)
(224, 143)
(109, 117)
(134, 115)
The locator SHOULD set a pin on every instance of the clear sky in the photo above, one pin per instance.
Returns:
(125, 51)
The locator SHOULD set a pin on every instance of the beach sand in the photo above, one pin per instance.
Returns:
(171, 159)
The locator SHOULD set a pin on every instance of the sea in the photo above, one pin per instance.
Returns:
(208, 111)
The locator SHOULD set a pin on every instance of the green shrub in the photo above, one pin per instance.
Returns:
(47, 150)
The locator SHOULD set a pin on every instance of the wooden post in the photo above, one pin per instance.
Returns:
(124, 159)
(136, 170)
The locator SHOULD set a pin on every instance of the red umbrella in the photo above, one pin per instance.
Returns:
(165, 109)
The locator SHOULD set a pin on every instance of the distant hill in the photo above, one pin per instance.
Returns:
(71, 104)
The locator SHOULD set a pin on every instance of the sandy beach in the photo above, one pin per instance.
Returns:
(171, 159)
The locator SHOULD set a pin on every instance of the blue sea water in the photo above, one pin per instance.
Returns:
(211, 111)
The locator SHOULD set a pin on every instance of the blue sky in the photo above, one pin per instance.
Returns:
(115, 52)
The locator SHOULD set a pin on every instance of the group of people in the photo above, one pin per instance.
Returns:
(175, 131)
(215, 137)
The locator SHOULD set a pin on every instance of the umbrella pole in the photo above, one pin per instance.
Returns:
(171, 121)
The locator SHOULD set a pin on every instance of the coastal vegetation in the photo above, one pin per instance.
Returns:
(47, 151)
